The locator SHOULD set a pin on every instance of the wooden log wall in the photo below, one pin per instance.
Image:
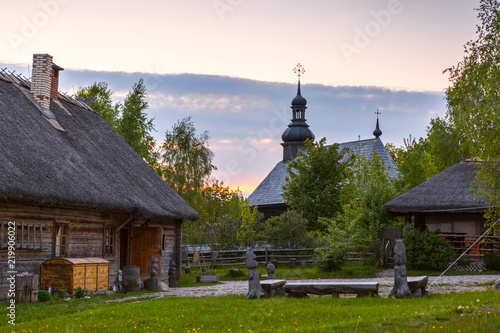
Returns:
(85, 238)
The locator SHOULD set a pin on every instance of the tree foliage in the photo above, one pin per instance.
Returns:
(186, 160)
(366, 189)
(314, 182)
(103, 103)
(419, 160)
(227, 221)
(474, 99)
(128, 119)
(289, 230)
(134, 125)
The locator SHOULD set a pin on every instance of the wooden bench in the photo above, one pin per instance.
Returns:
(417, 286)
(273, 287)
(302, 289)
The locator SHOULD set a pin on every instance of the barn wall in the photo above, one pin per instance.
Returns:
(85, 238)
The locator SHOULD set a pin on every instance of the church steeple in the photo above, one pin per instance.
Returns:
(377, 132)
(298, 130)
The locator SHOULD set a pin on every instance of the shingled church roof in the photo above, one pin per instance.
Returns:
(74, 159)
(270, 190)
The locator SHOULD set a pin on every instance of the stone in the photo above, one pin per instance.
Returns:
(401, 288)
(162, 286)
(303, 264)
(254, 288)
(292, 262)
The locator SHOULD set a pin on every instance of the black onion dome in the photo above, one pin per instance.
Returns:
(299, 101)
(377, 132)
(297, 132)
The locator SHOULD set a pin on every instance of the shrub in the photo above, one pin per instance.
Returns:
(80, 292)
(44, 296)
(331, 246)
(426, 250)
(288, 230)
(492, 261)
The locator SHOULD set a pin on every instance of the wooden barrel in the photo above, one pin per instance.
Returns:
(131, 280)
(27, 288)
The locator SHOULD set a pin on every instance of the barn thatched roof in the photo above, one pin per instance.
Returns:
(449, 191)
(85, 164)
(270, 190)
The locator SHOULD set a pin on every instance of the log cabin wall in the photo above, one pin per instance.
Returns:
(85, 238)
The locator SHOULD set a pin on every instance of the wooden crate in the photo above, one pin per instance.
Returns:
(91, 274)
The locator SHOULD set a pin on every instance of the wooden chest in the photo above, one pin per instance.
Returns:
(70, 273)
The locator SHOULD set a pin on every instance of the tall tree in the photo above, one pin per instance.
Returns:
(314, 182)
(474, 99)
(135, 127)
(103, 103)
(186, 159)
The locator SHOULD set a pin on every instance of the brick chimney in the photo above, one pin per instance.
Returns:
(44, 79)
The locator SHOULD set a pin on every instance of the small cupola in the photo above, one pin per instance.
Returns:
(298, 130)
(377, 132)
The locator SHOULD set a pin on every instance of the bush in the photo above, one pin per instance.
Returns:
(331, 246)
(44, 296)
(288, 231)
(80, 292)
(492, 261)
(426, 250)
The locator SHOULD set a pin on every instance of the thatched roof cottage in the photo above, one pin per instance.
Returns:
(446, 202)
(74, 187)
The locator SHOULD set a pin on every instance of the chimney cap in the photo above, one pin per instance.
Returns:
(57, 67)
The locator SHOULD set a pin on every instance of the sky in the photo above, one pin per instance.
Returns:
(228, 64)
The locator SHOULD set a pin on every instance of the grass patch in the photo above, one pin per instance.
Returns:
(467, 312)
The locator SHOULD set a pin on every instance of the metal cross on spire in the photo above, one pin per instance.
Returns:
(377, 113)
(299, 70)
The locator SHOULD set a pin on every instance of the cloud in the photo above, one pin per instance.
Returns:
(245, 118)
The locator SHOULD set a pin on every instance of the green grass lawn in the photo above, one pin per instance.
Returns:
(468, 312)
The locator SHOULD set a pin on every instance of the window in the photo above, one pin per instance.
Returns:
(61, 240)
(109, 240)
(26, 235)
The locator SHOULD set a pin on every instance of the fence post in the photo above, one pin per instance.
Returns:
(267, 247)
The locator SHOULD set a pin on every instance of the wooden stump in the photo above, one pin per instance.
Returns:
(27, 289)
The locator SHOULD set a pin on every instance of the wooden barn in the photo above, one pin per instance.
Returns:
(447, 202)
(71, 187)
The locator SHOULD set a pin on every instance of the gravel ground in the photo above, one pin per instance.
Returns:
(445, 284)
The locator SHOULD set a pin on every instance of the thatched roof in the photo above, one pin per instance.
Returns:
(449, 191)
(86, 164)
(270, 191)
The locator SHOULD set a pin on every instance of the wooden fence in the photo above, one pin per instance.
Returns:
(207, 257)
(461, 242)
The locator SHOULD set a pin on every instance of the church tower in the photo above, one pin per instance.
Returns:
(298, 130)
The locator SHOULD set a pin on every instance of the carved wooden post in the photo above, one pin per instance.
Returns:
(254, 288)
(401, 288)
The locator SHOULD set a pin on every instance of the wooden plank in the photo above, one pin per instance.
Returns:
(324, 288)
(1, 234)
